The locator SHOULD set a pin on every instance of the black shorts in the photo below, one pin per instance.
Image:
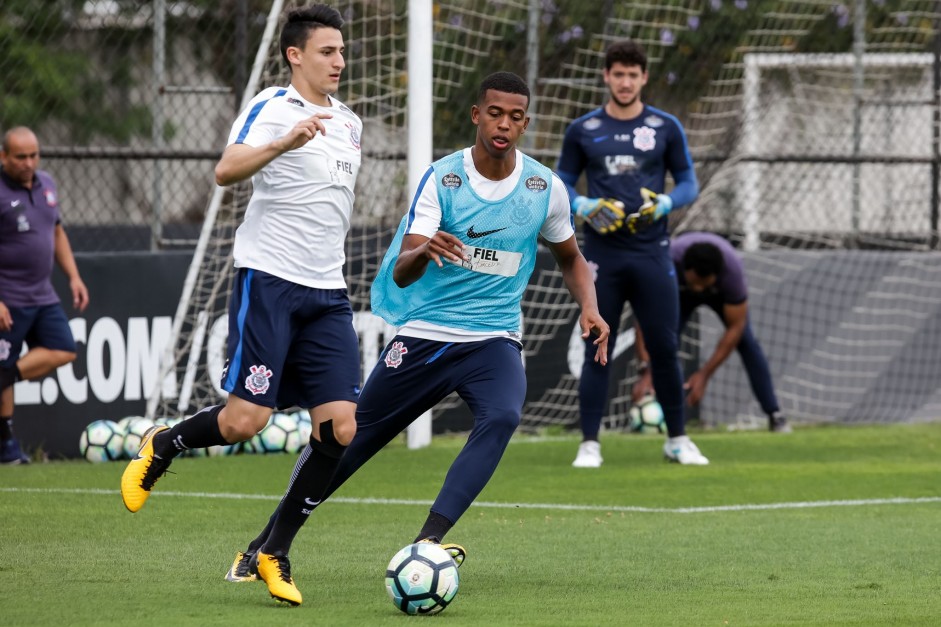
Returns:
(290, 344)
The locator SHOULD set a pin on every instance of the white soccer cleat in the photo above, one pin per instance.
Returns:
(589, 455)
(682, 451)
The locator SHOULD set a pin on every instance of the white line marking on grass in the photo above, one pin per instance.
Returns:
(747, 507)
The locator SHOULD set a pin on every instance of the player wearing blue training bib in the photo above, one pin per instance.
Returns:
(625, 149)
(452, 281)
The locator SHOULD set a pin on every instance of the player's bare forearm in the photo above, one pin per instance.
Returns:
(66, 260)
(241, 161)
(640, 347)
(6, 320)
(724, 348)
(418, 250)
(578, 278)
(735, 317)
(575, 272)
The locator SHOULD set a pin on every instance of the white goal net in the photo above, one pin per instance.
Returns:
(820, 162)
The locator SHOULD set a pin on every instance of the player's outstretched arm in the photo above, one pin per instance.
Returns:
(241, 161)
(6, 320)
(734, 318)
(418, 250)
(644, 384)
(578, 279)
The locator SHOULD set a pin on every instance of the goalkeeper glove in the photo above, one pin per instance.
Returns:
(655, 207)
(605, 215)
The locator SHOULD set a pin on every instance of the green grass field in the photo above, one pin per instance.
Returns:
(826, 526)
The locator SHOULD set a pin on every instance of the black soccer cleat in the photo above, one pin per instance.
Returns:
(777, 423)
(243, 568)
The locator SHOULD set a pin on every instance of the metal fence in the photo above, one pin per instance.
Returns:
(131, 101)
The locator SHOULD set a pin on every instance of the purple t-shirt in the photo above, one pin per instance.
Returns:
(28, 218)
(730, 283)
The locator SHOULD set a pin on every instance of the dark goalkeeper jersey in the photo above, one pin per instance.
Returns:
(619, 157)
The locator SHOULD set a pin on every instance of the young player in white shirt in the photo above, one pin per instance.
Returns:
(291, 337)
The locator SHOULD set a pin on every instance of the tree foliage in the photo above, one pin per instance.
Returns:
(46, 80)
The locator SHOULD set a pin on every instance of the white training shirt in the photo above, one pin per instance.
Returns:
(297, 219)
(556, 229)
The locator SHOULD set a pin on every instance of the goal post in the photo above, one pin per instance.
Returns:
(420, 123)
(822, 176)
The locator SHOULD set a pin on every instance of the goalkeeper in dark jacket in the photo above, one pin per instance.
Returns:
(625, 149)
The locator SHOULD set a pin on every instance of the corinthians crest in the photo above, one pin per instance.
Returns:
(257, 382)
(645, 138)
(394, 355)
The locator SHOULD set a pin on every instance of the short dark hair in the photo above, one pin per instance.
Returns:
(301, 22)
(627, 52)
(507, 82)
(704, 259)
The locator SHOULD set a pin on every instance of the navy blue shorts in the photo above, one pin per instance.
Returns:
(413, 375)
(290, 344)
(45, 326)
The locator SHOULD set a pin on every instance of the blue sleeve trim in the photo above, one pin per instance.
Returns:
(411, 209)
(254, 114)
(686, 189)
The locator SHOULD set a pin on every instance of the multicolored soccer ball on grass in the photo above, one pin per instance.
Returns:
(280, 435)
(422, 579)
(134, 434)
(647, 416)
(101, 441)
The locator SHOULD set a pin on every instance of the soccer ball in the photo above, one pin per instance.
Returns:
(220, 450)
(252, 445)
(280, 435)
(101, 441)
(647, 416)
(133, 436)
(422, 579)
(125, 422)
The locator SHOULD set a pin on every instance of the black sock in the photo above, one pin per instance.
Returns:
(257, 543)
(6, 428)
(312, 475)
(201, 430)
(435, 528)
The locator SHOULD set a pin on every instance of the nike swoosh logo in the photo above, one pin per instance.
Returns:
(311, 503)
(599, 139)
(473, 234)
(14, 203)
